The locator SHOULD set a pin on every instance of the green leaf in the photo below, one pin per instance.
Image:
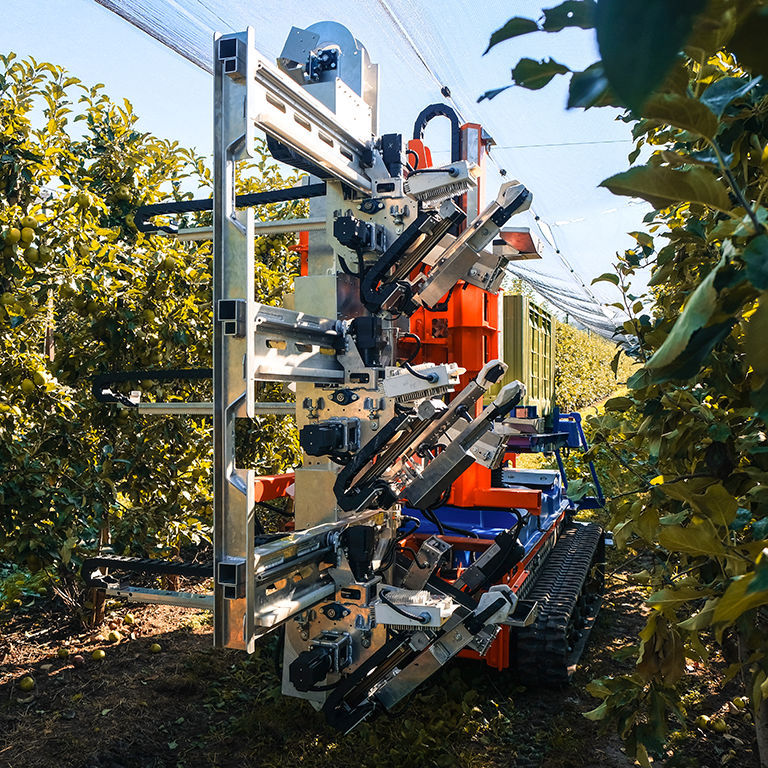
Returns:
(618, 404)
(639, 41)
(513, 28)
(757, 689)
(741, 521)
(737, 601)
(715, 502)
(759, 399)
(676, 519)
(681, 112)
(615, 362)
(493, 93)
(760, 581)
(533, 75)
(699, 539)
(709, 157)
(607, 277)
(590, 88)
(662, 187)
(598, 713)
(700, 620)
(755, 256)
(721, 93)
(598, 689)
(578, 488)
(572, 13)
(696, 331)
(760, 529)
(748, 42)
(755, 338)
(674, 597)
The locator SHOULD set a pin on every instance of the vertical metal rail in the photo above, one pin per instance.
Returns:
(233, 279)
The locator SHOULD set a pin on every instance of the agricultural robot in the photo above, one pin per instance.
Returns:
(415, 538)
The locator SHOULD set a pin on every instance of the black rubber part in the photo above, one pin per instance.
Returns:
(141, 565)
(146, 212)
(102, 382)
(568, 589)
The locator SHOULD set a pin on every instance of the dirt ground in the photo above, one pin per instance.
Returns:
(190, 705)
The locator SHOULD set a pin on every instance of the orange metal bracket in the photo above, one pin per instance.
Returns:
(270, 487)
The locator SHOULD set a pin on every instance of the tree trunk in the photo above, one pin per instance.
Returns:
(96, 599)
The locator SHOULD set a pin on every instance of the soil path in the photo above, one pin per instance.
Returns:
(189, 705)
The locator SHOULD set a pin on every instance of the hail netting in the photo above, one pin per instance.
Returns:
(424, 48)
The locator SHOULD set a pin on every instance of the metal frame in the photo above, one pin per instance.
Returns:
(233, 275)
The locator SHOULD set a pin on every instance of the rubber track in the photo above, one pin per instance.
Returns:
(543, 657)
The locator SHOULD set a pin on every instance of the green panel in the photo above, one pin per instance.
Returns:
(528, 347)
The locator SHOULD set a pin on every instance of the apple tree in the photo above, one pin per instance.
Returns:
(83, 293)
(688, 442)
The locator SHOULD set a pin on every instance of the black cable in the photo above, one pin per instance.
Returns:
(406, 534)
(389, 557)
(442, 527)
(418, 346)
(520, 521)
(442, 500)
(397, 609)
(430, 377)
(437, 170)
(344, 266)
(409, 519)
(328, 687)
(277, 658)
(415, 557)
(441, 306)
(463, 411)
(463, 531)
(416, 155)
(432, 517)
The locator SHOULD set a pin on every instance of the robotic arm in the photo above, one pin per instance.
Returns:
(421, 451)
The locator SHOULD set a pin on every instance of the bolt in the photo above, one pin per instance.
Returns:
(458, 636)
(374, 425)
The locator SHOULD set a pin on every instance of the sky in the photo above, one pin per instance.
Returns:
(561, 155)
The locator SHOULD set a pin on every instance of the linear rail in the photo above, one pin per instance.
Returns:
(283, 109)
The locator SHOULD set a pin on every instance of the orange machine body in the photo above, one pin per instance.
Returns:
(466, 329)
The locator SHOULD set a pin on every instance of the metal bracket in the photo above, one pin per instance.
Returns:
(293, 346)
(429, 556)
(231, 313)
(286, 111)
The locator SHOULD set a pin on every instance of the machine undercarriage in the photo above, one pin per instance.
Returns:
(413, 541)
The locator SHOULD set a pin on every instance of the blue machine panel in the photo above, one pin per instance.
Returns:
(489, 523)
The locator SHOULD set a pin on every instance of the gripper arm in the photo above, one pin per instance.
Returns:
(420, 452)
(387, 284)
